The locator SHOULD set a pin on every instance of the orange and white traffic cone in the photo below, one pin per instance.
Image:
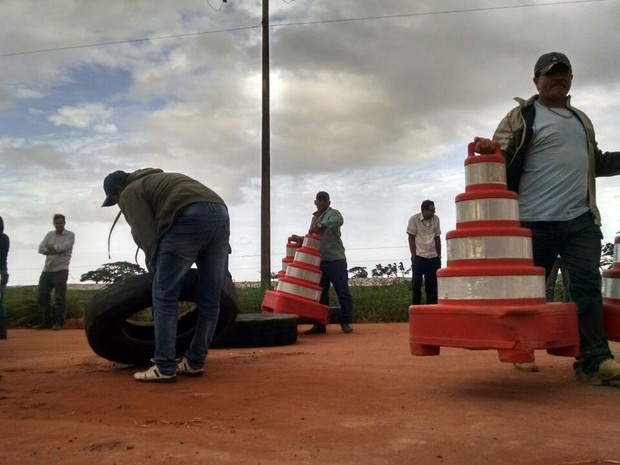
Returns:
(611, 295)
(490, 295)
(298, 291)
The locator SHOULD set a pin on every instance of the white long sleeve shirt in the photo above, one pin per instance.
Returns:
(62, 244)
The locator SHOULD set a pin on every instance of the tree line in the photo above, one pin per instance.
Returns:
(113, 272)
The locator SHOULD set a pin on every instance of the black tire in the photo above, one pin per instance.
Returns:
(258, 330)
(113, 335)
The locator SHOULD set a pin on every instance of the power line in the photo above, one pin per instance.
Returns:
(432, 13)
(327, 21)
(128, 41)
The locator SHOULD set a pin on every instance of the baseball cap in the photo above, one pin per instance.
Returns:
(117, 178)
(548, 61)
(322, 195)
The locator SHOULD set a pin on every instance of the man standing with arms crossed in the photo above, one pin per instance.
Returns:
(57, 246)
(553, 161)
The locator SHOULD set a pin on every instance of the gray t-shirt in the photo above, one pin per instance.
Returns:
(554, 183)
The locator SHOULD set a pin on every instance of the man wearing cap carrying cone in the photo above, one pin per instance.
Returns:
(326, 222)
(177, 222)
(552, 161)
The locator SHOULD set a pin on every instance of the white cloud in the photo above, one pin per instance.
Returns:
(88, 115)
(378, 112)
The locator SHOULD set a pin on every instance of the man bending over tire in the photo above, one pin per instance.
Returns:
(176, 221)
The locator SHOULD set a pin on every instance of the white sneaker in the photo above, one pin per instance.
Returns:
(529, 367)
(185, 369)
(153, 375)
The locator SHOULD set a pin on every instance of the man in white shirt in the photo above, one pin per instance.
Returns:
(424, 234)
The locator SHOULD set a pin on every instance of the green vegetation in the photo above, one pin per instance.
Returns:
(112, 272)
(22, 307)
(383, 302)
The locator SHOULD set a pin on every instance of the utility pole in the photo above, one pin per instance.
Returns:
(265, 237)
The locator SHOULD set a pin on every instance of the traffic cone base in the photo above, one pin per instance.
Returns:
(514, 331)
(611, 295)
(284, 302)
(490, 295)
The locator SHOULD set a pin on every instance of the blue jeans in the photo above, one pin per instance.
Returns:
(200, 235)
(56, 281)
(335, 272)
(424, 269)
(578, 243)
(4, 279)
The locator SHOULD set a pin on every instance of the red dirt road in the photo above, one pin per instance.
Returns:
(329, 399)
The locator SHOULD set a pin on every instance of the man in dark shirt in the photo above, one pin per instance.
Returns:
(4, 277)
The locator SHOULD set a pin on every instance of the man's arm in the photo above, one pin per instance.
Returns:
(438, 246)
(331, 219)
(607, 163)
(139, 215)
(43, 248)
(412, 244)
(66, 244)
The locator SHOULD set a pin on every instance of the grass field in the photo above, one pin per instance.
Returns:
(382, 301)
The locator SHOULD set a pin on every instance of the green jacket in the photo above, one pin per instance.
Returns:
(151, 201)
(514, 134)
(330, 222)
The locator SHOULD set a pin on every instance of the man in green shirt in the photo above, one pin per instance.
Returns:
(326, 222)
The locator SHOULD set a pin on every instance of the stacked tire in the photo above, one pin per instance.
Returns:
(114, 332)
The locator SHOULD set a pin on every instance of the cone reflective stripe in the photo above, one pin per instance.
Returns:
(611, 295)
(291, 248)
(302, 271)
(312, 241)
(471, 206)
(489, 243)
(611, 285)
(308, 256)
(286, 261)
(490, 295)
(492, 287)
(485, 174)
(480, 172)
(508, 283)
(299, 287)
(611, 277)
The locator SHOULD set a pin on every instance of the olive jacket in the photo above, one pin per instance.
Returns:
(151, 201)
(514, 134)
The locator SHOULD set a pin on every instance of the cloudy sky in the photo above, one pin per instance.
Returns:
(373, 101)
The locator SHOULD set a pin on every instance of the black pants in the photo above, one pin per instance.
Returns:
(578, 243)
(335, 272)
(53, 281)
(424, 269)
(4, 279)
